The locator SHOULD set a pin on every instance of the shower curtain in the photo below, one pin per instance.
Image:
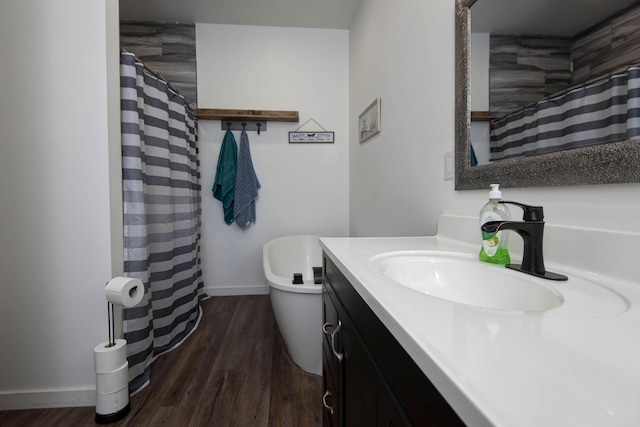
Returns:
(162, 207)
(600, 112)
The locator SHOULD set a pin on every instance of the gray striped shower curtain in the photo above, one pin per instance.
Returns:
(599, 112)
(161, 207)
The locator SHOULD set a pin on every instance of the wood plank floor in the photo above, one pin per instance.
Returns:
(232, 371)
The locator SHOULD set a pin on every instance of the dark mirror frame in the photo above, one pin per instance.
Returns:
(604, 164)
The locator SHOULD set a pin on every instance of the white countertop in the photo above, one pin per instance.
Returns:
(576, 365)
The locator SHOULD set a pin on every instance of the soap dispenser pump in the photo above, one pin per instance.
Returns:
(494, 245)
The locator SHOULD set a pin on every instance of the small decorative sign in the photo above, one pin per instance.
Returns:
(302, 136)
(295, 137)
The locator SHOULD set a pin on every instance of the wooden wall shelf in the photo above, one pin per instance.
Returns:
(482, 116)
(256, 115)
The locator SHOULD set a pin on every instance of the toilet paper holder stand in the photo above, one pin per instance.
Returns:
(112, 324)
(124, 411)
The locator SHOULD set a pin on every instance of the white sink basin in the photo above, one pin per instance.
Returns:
(463, 279)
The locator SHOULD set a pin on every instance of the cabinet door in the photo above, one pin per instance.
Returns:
(331, 343)
(330, 397)
(367, 401)
(388, 413)
(360, 385)
(331, 365)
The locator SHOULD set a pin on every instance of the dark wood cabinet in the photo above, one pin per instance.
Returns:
(331, 364)
(369, 378)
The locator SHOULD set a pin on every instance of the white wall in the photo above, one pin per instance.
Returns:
(404, 52)
(57, 130)
(304, 186)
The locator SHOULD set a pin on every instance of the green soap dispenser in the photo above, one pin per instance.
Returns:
(494, 245)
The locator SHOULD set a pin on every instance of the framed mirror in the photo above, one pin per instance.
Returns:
(617, 162)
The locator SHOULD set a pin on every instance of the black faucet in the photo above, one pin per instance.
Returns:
(531, 229)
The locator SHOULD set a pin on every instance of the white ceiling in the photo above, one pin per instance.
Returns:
(550, 17)
(336, 14)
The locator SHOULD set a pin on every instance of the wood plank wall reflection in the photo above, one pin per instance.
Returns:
(613, 44)
(167, 49)
(524, 69)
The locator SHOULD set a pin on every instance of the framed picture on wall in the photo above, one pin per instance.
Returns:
(369, 121)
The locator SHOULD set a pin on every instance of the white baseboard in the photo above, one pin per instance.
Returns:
(59, 398)
(237, 290)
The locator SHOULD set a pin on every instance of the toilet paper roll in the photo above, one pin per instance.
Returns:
(108, 359)
(110, 382)
(125, 291)
(110, 403)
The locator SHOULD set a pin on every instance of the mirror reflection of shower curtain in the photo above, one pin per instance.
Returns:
(600, 112)
(162, 206)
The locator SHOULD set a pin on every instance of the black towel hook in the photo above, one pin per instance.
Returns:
(244, 126)
(228, 125)
(258, 125)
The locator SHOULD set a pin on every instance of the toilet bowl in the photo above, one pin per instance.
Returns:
(296, 308)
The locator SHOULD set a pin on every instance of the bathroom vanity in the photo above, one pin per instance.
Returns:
(368, 377)
(564, 354)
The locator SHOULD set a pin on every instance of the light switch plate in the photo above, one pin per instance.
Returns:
(448, 166)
